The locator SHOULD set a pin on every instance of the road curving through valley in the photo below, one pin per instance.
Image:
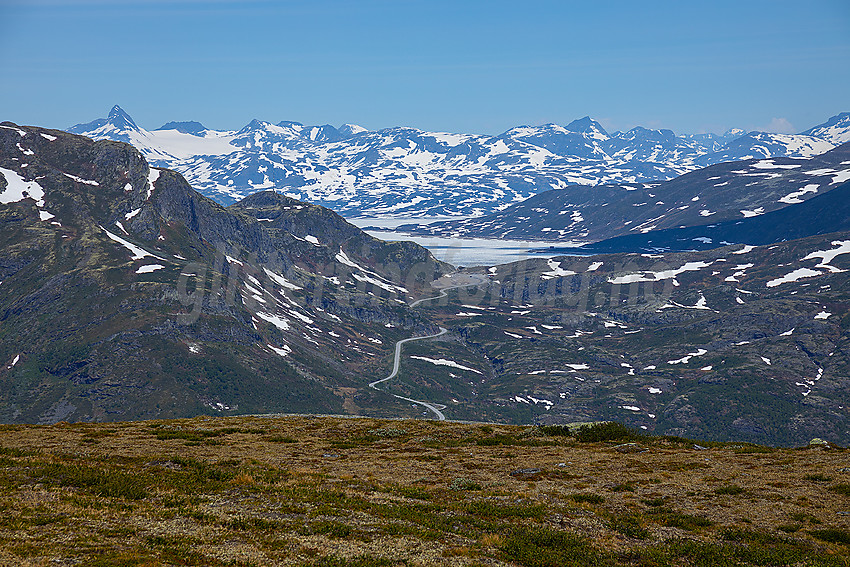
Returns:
(435, 408)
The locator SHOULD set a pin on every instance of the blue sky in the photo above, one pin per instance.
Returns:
(462, 66)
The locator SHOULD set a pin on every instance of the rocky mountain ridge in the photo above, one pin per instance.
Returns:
(126, 294)
(826, 213)
(726, 192)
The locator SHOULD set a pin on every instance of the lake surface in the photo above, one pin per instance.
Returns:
(473, 251)
(460, 251)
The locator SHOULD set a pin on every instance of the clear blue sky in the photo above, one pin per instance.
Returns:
(451, 65)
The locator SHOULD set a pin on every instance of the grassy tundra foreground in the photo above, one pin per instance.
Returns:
(365, 492)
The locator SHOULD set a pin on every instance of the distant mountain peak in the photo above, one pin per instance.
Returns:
(187, 127)
(351, 129)
(120, 119)
(838, 118)
(254, 125)
(586, 125)
(641, 133)
(835, 130)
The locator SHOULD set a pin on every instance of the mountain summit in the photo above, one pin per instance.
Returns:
(188, 127)
(588, 126)
(120, 119)
(835, 130)
(118, 122)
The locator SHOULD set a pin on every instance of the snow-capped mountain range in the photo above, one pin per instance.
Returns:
(406, 172)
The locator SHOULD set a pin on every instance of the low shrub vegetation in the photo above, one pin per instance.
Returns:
(369, 493)
(608, 431)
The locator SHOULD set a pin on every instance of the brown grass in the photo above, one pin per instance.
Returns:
(370, 492)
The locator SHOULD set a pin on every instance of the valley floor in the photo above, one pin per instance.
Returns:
(365, 492)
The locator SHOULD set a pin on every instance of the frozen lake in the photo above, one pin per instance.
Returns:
(458, 251)
(472, 251)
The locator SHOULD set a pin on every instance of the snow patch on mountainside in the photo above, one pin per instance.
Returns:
(658, 276)
(18, 189)
(136, 252)
(445, 362)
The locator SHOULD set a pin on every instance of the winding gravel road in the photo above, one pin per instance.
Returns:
(397, 359)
